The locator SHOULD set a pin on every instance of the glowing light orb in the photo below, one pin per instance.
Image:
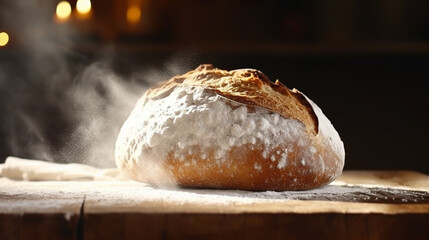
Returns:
(4, 39)
(133, 14)
(63, 10)
(83, 6)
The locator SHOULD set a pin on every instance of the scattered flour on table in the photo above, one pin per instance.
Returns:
(52, 196)
(67, 196)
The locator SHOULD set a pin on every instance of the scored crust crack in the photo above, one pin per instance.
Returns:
(248, 86)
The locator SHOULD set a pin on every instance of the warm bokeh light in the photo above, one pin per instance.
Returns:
(63, 10)
(4, 39)
(133, 14)
(83, 6)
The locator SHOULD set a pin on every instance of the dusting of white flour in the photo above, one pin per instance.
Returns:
(192, 120)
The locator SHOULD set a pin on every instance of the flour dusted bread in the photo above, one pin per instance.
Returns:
(235, 129)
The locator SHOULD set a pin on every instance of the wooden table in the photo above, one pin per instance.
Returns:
(359, 205)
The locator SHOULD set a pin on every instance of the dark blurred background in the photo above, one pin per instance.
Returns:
(364, 62)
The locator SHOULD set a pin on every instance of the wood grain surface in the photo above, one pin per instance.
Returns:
(131, 210)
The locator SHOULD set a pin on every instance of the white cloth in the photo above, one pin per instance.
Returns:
(36, 170)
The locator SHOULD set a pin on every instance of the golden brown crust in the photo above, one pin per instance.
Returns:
(238, 171)
(247, 86)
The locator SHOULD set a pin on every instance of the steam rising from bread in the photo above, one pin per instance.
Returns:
(62, 106)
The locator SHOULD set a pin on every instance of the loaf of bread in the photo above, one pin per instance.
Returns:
(212, 128)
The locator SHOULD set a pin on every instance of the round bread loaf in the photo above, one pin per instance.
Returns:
(212, 128)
